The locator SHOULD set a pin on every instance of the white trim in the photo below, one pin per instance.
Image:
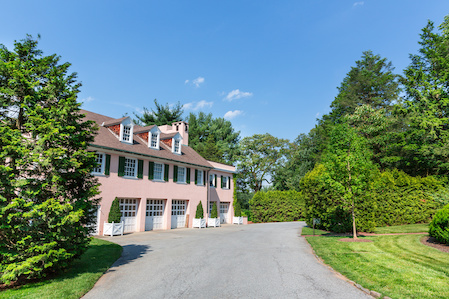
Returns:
(185, 175)
(162, 172)
(200, 182)
(102, 166)
(136, 165)
(127, 123)
(157, 132)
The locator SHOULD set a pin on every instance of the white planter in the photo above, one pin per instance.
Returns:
(199, 222)
(113, 229)
(237, 220)
(215, 222)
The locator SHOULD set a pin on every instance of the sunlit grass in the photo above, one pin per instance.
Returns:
(77, 280)
(309, 231)
(407, 228)
(396, 266)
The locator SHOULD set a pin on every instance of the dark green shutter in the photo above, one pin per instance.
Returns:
(107, 165)
(175, 173)
(121, 166)
(204, 177)
(151, 170)
(221, 178)
(167, 167)
(196, 176)
(229, 182)
(215, 180)
(188, 176)
(140, 169)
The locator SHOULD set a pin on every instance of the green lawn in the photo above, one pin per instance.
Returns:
(309, 231)
(397, 266)
(77, 280)
(408, 228)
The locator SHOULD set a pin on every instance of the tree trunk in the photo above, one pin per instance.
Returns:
(354, 231)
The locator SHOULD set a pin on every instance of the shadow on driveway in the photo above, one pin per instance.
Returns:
(130, 253)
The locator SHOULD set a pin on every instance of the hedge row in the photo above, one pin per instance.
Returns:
(439, 227)
(276, 206)
(393, 198)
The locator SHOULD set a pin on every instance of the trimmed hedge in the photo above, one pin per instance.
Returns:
(199, 211)
(393, 198)
(276, 206)
(114, 213)
(214, 212)
(439, 227)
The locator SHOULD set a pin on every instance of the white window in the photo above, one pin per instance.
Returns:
(126, 136)
(181, 174)
(154, 143)
(158, 171)
(99, 158)
(225, 182)
(130, 167)
(212, 180)
(199, 177)
(176, 146)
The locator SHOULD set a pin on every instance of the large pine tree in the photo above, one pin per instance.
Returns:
(46, 189)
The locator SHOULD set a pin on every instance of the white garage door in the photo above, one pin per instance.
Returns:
(128, 207)
(224, 207)
(154, 214)
(178, 213)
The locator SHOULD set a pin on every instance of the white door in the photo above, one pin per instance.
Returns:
(178, 213)
(154, 214)
(128, 207)
(224, 207)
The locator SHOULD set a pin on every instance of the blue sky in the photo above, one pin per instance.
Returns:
(267, 66)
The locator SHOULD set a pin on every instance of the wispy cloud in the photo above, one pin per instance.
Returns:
(317, 114)
(358, 3)
(232, 114)
(186, 81)
(137, 109)
(237, 94)
(197, 105)
(87, 100)
(197, 82)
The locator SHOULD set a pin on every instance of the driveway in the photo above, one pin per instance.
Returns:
(268, 260)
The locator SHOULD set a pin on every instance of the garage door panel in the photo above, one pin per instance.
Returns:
(154, 218)
(178, 213)
(128, 208)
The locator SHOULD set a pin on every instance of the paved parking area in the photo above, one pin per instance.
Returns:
(266, 260)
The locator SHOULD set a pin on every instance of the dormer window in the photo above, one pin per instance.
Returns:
(126, 133)
(176, 146)
(154, 139)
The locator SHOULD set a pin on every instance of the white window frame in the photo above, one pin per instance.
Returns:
(176, 149)
(157, 136)
(226, 184)
(198, 180)
(135, 168)
(162, 172)
(102, 164)
(185, 175)
(212, 182)
(127, 123)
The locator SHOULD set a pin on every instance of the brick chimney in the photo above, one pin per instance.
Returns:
(180, 127)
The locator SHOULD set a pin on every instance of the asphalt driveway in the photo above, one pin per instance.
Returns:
(253, 261)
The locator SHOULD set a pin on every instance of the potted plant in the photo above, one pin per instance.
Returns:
(237, 219)
(213, 220)
(114, 226)
(199, 220)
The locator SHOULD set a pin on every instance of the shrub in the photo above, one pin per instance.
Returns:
(273, 206)
(237, 210)
(199, 211)
(439, 226)
(114, 213)
(214, 212)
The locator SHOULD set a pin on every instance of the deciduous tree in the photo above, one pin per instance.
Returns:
(164, 115)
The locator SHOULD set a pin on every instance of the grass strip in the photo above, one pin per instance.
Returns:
(408, 228)
(309, 231)
(78, 279)
(396, 266)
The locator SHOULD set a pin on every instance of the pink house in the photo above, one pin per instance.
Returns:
(158, 178)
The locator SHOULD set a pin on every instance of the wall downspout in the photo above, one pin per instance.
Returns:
(207, 194)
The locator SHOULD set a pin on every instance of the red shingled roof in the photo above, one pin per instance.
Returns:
(107, 140)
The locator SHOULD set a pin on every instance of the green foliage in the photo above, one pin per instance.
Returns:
(114, 213)
(46, 188)
(164, 115)
(214, 212)
(213, 138)
(439, 226)
(199, 211)
(237, 210)
(403, 199)
(274, 206)
(259, 157)
(426, 141)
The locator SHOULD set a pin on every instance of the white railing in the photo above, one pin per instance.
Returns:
(199, 222)
(215, 222)
(113, 229)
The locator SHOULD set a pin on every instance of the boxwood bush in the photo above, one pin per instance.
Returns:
(276, 206)
(439, 226)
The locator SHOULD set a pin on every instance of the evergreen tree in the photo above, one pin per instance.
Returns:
(214, 212)
(164, 115)
(114, 213)
(199, 211)
(46, 189)
(213, 137)
(426, 146)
